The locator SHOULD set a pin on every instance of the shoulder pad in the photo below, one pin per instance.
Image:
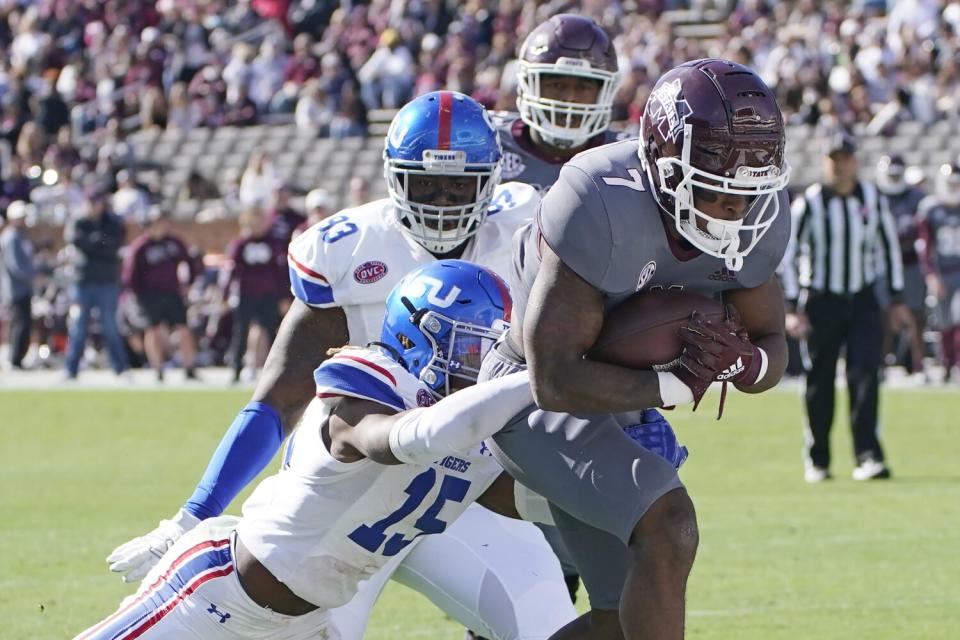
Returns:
(514, 197)
(318, 257)
(367, 374)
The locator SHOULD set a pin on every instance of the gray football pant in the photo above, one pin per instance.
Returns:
(599, 482)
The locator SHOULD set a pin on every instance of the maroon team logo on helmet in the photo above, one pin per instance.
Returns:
(424, 399)
(370, 272)
(669, 110)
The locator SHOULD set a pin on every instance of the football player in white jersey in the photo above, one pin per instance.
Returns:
(361, 479)
(442, 164)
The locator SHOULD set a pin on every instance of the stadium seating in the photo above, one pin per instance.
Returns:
(307, 162)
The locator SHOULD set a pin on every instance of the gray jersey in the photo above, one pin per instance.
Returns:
(601, 219)
(523, 162)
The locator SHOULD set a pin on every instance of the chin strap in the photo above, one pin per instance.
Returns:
(734, 262)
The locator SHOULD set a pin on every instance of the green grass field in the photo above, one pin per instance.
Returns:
(83, 471)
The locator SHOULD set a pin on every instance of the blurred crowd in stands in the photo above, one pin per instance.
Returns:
(78, 76)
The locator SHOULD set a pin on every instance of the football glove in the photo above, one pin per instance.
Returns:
(657, 436)
(135, 558)
(718, 351)
(741, 361)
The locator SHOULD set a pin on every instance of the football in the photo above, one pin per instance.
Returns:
(642, 332)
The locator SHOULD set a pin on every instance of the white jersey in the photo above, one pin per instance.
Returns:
(320, 525)
(353, 259)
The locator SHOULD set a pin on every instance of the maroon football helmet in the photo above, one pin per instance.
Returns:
(714, 126)
(568, 45)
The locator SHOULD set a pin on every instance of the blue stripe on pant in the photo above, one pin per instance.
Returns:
(159, 595)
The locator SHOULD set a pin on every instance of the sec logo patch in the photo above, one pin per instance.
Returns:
(513, 165)
(646, 273)
(370, 272)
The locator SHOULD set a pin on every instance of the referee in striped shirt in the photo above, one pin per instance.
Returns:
(841, 228)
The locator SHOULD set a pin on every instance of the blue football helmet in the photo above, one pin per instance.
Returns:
(443, 133)
(442, 318)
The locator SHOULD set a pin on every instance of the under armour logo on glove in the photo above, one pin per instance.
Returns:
(223, 616)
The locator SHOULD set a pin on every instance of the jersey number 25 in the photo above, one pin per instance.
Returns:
(372, 537)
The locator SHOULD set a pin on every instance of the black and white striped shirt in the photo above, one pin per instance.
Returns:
(837, 243)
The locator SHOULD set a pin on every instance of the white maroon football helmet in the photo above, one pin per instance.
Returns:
(567, 45)
(714, 127)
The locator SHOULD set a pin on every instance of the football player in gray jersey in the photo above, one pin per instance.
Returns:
(904, 205)
(702, 209)
(566, 81)
(567, 77)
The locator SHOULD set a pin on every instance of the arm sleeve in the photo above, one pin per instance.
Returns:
(574, 223)
(459, 421)
(245, 450)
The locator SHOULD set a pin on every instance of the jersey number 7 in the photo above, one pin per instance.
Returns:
(371, 537)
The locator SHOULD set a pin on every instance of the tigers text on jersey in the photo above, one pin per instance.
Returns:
(352, 260)
(523, 162)
(602, 221)
(321, 526)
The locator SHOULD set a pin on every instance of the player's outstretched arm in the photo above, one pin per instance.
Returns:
(254, 437)
(420, 436)
(283, 392)
(563, 319)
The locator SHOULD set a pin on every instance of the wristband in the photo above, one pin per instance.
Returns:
(673, 391)
(763, 366)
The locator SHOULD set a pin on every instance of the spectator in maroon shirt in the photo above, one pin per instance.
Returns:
(255, 283)
(302, 64)
(152, 273)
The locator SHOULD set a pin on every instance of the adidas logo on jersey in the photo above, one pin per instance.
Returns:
(732, 371)
(723, 275)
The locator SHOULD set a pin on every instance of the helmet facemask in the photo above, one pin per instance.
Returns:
(731, 240)
(458, 350)
(441, 229)
(562, 123)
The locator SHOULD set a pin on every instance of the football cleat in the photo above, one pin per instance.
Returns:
(871, 469)
(815, 475)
